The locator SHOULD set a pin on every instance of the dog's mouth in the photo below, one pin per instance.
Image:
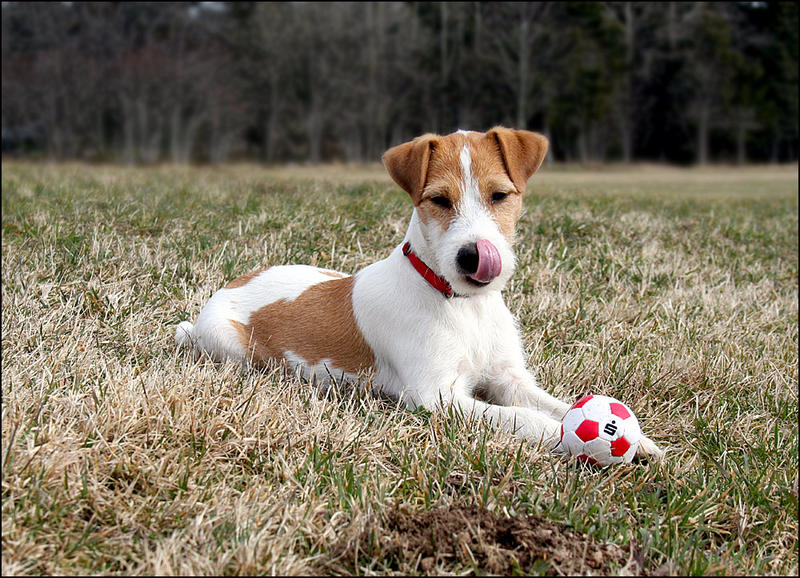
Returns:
(475, 282)
(479, 262)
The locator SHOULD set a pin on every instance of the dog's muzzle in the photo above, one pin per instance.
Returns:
(480, 262)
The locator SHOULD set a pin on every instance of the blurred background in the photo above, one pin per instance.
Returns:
(676, 82)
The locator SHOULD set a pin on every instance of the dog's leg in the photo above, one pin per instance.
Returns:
(516, 386)
(524, 422)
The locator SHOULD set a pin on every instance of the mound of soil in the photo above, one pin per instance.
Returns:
(471, 536)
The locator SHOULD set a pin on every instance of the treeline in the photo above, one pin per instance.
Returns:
(304, 81)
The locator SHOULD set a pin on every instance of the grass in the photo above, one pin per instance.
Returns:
(673, 290)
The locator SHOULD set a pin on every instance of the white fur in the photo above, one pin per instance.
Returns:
(429, 350)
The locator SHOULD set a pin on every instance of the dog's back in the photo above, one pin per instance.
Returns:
(301, 313)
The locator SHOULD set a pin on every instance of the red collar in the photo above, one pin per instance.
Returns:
(436, 282)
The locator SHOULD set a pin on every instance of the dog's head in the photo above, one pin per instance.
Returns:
(467, 190)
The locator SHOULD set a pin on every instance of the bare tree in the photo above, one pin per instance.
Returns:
(318, 81)
(521, 48)
(710, 66)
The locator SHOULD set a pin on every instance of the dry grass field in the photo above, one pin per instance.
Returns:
(674, 290)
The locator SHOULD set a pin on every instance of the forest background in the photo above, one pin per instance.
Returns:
(677, 82)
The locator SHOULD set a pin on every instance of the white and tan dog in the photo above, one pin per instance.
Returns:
(429, 319)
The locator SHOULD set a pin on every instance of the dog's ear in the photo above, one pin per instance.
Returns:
(523, 152)
(408, 164)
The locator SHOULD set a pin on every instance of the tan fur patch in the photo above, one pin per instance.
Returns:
(244, 279)
(444, 179)
(407, 164)
(522, 152)
(318, 325)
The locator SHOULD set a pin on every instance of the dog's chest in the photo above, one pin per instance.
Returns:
(474, 334)
(419, 335)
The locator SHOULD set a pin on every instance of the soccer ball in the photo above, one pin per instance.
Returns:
(600, 430)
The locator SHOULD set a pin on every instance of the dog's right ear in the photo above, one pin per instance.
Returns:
(407, 164)
(523, 152)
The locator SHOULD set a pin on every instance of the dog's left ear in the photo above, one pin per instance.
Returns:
(523, 152)
(407, 164)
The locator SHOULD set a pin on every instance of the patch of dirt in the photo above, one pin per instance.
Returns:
(474, 537)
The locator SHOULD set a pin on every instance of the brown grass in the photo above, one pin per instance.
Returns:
(673, 290)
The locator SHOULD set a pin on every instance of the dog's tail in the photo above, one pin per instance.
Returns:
(183, 333)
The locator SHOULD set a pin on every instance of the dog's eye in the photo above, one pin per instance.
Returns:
(499, 197)
(442, 201)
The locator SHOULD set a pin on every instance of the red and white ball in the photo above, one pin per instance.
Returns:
(600, 429)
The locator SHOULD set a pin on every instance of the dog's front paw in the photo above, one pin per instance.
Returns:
(648, 451)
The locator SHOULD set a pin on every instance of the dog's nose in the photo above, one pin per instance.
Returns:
(479, 261)
(467, 259)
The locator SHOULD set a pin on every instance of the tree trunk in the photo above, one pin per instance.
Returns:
(175, 130)
(101, 146)
(583, 146)
(317, 70)
(741, 143)
(270, 128)
(776, 145)
(443, 44)
(627, 138)
(150, 132)
(702, 133)
(128, 131)
(186, 145)
(314, 130)
(462, 87)
(443, 58)
(220, 148)
(373, 120)
(671, 17)
(627, 122)
(523, 73)
(478, 28)
(546, 132)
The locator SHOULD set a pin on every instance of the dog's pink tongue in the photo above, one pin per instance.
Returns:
(489, 264)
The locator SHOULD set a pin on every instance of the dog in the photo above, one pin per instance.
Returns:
(429, 320)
